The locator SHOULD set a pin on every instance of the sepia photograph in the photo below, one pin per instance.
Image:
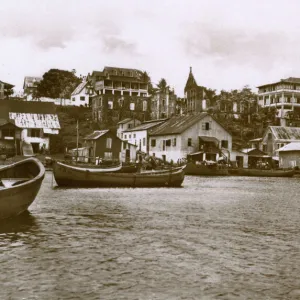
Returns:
(149, 150)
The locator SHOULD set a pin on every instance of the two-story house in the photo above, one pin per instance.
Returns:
(120, 93)
(37, 121)
(126, 124)
(139, 135)
(82, 94)
(197, 133)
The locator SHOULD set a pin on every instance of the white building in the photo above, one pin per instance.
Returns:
(126, 124)
(139, 135)
(184, 135)
(289, 155)
(81, 95)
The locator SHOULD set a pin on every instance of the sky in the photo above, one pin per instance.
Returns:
(228, 43)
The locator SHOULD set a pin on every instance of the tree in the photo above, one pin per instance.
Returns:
(8, 92)
(57, 84)
(162, 85)
(147, 79)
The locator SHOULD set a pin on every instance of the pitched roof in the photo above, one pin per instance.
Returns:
(124, 121)
(145, 126)
(79, 88)
(178, 124)
(7, 85)
(286, 80)
(96, 134)
(290, 147)
(285, 133)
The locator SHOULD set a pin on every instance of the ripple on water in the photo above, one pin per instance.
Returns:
(215, 238)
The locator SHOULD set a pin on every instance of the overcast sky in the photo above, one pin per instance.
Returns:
(228, 43)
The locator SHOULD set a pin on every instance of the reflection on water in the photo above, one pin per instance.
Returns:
(216, 238)
(20, 224)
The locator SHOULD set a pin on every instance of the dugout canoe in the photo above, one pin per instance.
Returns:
(81, 177)
(19, 185)
(263, 173)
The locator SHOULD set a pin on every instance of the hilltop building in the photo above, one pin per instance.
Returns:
(81, 96)
(163, 104)
(4, 87)
(29, 86)
(196, 100)
(120, 93)
(284, 95)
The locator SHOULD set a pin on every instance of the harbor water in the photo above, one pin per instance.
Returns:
(214, 238)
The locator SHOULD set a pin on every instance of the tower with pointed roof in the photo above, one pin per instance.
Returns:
(194, 95)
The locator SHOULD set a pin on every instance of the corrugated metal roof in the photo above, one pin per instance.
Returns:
(179, 124)
(145, 126)
(286, 133)
(290, 147)
(96, 134)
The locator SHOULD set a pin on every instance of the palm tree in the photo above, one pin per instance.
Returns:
(162, 85)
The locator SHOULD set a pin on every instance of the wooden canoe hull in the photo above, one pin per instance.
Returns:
(208, 170)
(65, 176)
(264, 173)
(16, 199)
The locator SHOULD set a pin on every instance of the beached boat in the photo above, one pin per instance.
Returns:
(19, 185)
(262, 173)
(82, 177)
(205, 170)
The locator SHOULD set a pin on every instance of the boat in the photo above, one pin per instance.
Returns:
(19, 185)
(212, 169)
(66, 175)
(262, 172)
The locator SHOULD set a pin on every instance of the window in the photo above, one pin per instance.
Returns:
(129, 136)
(206, 126)
(144, 141)
(8, 132)
(33, 133)
(110, 104)
(108, 143)
(189, 142)
(121, 135)
(174, 142)
(144, 105)
(82, 98)
(224, 144)
(73, 98)
(125, 136)
(153, 142)
(132, 105)
(107, 155)
(168, 143)
(134, 135)
(129, 125)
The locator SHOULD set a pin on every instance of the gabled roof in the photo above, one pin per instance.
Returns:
(290, 147)
(125, 121)
(178, 124)
(96, 134)
(7, 85)
(79, 88)
(145, 126)
(285, 133)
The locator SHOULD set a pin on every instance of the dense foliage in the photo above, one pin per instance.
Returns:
(57, 84)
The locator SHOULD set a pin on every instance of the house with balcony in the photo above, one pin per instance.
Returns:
(195, 134)
(284, 95)
(163, 104)
(4, 88)
(119, 93)
(29, 122)
(30, 86)
(139, 135)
